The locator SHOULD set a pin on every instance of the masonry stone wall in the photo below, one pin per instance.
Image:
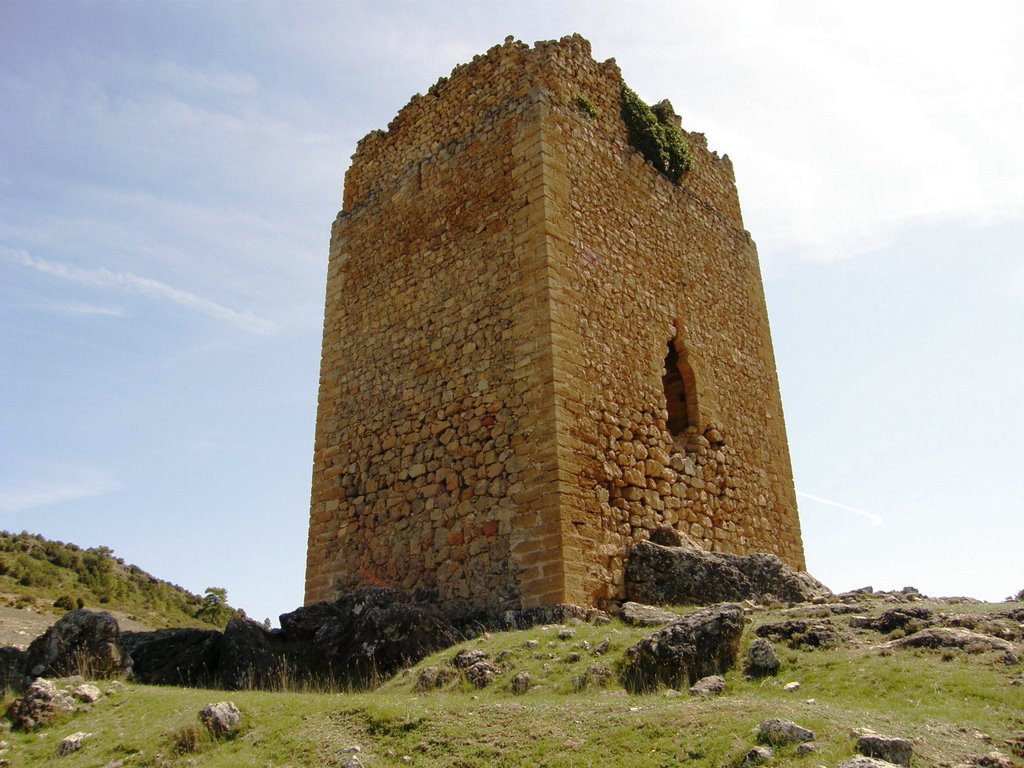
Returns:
(508, 280)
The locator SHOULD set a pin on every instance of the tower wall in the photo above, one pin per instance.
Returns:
(504, 280)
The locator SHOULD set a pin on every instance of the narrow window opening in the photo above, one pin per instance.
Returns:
(680, 391)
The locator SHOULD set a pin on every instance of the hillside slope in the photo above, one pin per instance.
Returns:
(957, 705)
(53, 576)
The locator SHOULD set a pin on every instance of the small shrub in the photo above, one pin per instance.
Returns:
(587, 107)
(187, 740)
(65, 602)
(659, 140)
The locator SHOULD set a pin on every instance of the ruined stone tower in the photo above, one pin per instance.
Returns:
(537, 350)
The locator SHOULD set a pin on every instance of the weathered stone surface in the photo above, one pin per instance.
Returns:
(799, 633)
(430, 678)
(758, 756)
(951, 637)
(700, 644)
(645, 615)
(247, 658)
(888, 748)
(537, 350)
(12, 667)
(172, 656)
(72, 743)
(221, 719)
(42, 703)
(779, 732)
(895, 618)
(521, 683)
(81, 642)
(860, 761)
(762, 659)
(712, 685)
(678, 576)
(87, 693)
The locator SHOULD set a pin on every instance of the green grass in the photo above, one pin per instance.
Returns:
(942, 704)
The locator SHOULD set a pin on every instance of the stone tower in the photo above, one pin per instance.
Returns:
(537, 350)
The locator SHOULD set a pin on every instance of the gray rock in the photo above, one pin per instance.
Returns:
(758, 756)
(951, 637)
(807, 748)
(248, 658)
(660, 575)
(431, 678)
(799, 633)
(894, 618)
(639, 615)
(762, 659)
(72, 743)
(778, 732)
(481, 674)
(352, 762)
(42, 704)
(87, 692)
(697, 645)
(888, 748)
(712, 685)
(81, 642)
(521, 683)
(221, 719)
(467, 657)
(860, 761)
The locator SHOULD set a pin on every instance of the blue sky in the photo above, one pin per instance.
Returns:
(169, 173)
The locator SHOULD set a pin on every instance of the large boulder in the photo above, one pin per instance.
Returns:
(172, 656)
(12, 668)
(82, 642)
(364, 636)
(660, 575)
(42, 704)
(703, 643)
(248, 658)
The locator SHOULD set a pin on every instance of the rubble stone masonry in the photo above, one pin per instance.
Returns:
(537, 350)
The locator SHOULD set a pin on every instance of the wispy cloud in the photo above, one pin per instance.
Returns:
(146, 286)
(84, 309)
(79, 485)
(870, 516)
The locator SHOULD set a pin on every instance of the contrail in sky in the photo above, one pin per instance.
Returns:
(875, 519)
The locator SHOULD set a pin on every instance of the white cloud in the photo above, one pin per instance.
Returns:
(79, 484)
(146, 286)
(72, 308)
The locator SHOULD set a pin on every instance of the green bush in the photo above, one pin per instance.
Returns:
(587, 107)
(659, 140)
(66, 602)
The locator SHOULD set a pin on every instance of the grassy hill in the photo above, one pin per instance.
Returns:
(954, 704)
(35, 572)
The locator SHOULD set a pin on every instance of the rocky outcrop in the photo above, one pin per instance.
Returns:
(697, 645)
(762, 659)
(661, 575)
(81, 642)
(891, 749)
(221, 719)
(172, 656)
(645, 615)
(778, 732)
(948, 637)
(42, 704)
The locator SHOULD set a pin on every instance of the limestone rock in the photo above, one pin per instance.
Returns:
(521, 683)
(81, 642)
(712, 685)
(894, 618)
(87, 693)
(71, 743)
(780, 732)
(431, 678)
(172, 656)
(888, 748)
(697, 645)
(951, 637)
(660, 575)
(762, 659)
(221, 719)
(41, 704)
(639, 615)
(860, 761)
(799, 633)
(758, 756)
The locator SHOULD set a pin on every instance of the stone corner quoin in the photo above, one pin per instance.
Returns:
(537, 350)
